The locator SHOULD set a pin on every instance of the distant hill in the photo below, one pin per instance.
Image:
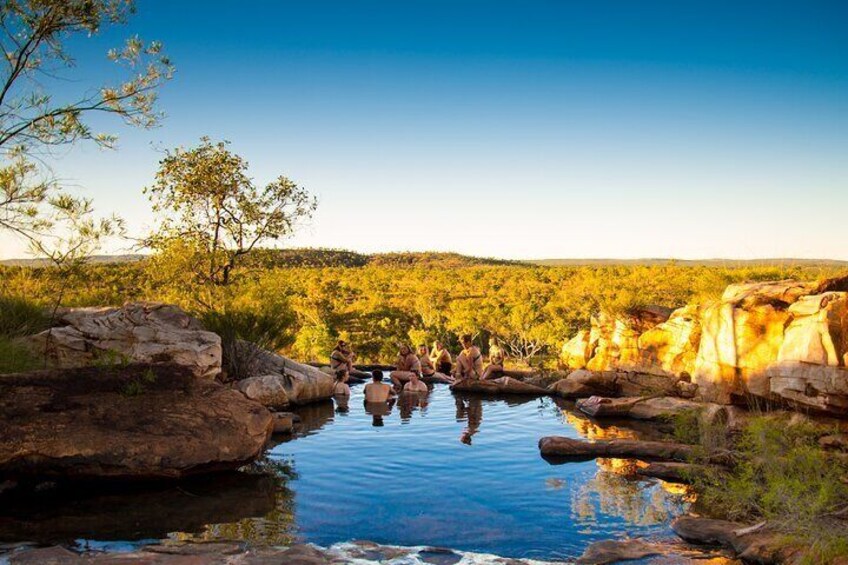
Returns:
(316, 258)
(783, 262)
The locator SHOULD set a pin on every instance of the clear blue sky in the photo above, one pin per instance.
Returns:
(515, 129)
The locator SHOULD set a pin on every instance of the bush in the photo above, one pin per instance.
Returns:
(20, 317)
(781, 475)
(245, 333)
(15, 358)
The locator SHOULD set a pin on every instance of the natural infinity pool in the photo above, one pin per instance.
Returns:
(452, 471)
(464, 472)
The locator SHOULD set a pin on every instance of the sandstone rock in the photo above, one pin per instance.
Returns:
(137, 332)
(157, 421)
(577, 351)
(754, 544)
(658, 408)
(283, 382)
(582, 383)
(575, 449)
(613, 551)
(672, 346)
(671, 471)
(502, 385)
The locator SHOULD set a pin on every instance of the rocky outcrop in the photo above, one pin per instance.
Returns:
(784, 341)
(281, 382)
(133, 422)
(576, 449)
(583, 383)
(136, 332)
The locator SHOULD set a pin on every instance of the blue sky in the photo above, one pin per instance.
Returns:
(513, 129)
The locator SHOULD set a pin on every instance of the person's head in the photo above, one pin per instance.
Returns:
(340, 376)
(404, 350)
(377, 376)
(414, 377)
(422, 349)
(342, 344)
(437, 345)
(466, 340)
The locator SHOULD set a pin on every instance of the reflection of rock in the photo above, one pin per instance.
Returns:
(314, 416)
(576, 449)
(137, 332)
(122, 513)
(281, 382)
(125, 422)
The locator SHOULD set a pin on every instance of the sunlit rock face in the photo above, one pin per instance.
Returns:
(140, 332)
(784, 340)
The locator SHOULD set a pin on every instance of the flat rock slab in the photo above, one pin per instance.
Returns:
(132, 422)
(581, 450)
(502, 385)
(655, 408)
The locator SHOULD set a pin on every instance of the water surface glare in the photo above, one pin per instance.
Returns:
(463, 472)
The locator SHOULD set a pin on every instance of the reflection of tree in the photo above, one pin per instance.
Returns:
(277, 527)
(613, 491)
(590, 430)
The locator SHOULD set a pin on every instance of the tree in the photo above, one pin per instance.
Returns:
(209, 205)
(33, 36)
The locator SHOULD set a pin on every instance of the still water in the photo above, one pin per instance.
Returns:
(445, 470)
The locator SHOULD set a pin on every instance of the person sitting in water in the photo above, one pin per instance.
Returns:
(415, 385)
(469, 363)
(377, 391)
(406, 364)
(496, 361)
(441, 358)
(340, 388)
(342, 358)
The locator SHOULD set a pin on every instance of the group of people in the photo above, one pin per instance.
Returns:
(412, 371)
(433, 365)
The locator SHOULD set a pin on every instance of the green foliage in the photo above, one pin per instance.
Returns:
(531, 310)
(20, 317)
(782, 475)
(15, 358)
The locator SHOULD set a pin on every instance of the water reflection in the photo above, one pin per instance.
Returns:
(615, 490)
(378, 411)
(118, 512)
(409, 402)
(470, 410)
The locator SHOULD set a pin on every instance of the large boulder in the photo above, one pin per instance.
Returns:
(281, 382)
(132, 422)
(502, 385)
(671, 347)
(577, 351)
(138, 332)
(614, 340)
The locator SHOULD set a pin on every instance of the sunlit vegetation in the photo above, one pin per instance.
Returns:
(379, 301)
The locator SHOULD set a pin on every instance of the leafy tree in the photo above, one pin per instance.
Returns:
(209, 204)
(33, 38)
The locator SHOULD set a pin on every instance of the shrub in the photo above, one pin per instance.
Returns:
(782, 475)
(16, 358)
(245, 333)
(20, 317)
